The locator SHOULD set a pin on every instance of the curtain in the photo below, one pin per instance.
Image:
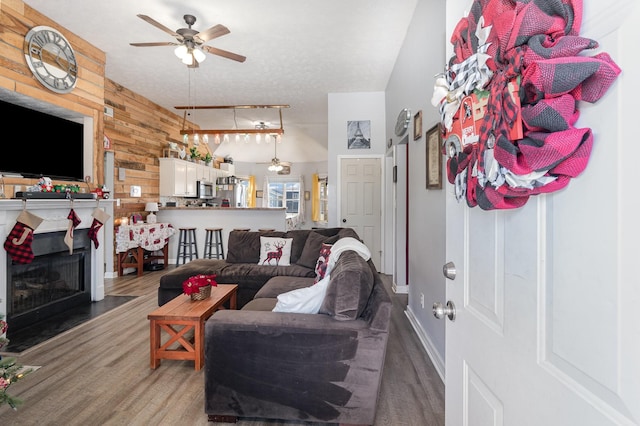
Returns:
(251, 188)
(301, 204)
(315, 198)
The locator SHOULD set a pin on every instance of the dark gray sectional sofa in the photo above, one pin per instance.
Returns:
(241, 264)
(319, 367)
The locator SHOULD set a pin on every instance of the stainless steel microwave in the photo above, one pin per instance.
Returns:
(206, 190)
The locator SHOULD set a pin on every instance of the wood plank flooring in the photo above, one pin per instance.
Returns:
(98, 373)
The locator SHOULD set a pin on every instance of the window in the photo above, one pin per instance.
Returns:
(324, 197)
(285, 194)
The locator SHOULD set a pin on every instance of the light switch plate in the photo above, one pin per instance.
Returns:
(136, 191)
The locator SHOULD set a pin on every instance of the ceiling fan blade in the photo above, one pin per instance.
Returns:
(213, 32)
(159, 25)
(224, 53)
(159, 43)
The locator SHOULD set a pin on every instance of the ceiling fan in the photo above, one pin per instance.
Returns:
(191, 42)
(276, 165)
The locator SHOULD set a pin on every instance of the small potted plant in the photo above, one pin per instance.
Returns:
(194, 154)
(198, 287)
(207, 158)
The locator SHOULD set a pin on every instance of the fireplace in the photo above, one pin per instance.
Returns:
(54, 282)
(92, 262)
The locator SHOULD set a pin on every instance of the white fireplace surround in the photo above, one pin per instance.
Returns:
(54, 213)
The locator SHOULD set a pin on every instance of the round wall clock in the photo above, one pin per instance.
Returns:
(403, 122)
(51, 59)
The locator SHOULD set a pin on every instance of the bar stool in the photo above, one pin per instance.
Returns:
(210, 244)
(266, 230)
(187, 246)
(241, 229)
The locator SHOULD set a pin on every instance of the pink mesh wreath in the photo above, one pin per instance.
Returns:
(534, 44)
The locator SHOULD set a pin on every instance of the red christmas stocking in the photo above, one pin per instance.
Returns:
(74, 221)
(99, 218)
(18, 242)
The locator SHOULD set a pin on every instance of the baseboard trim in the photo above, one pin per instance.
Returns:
(428, 345)
(400, 289)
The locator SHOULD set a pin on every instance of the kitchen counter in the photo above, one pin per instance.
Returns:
(226, 218)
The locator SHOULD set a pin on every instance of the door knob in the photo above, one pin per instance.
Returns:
(344, 220)
(440, 311)
(449, 270)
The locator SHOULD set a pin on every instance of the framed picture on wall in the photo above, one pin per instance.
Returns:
(434, 157)
(417, 126)
(359, 134)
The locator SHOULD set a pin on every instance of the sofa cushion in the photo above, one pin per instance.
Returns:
(299, 240)
(309, 255)
(282, 284)
(263, 304)
(275, 251)
(243, 247)
(350, 285)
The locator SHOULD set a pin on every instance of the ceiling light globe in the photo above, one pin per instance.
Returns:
(180, 51)
(199, 55)
(187, 59)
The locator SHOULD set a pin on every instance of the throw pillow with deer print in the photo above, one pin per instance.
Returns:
(275, 251)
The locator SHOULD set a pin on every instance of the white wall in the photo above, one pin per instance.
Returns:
(411, 86)
(345, 107)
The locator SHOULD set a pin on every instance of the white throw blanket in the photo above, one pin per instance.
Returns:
(309, 299)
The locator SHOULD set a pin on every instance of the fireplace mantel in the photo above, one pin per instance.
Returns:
(54, 213)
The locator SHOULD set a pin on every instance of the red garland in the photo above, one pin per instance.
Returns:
(193, 284)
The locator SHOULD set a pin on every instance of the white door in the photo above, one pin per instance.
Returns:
(360, 206)
(548, 296)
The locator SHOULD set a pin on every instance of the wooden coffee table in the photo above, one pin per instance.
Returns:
(181, 315)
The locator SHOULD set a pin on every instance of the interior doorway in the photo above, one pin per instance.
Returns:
(361, 201)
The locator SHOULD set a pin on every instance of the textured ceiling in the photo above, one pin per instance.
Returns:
(297, 52)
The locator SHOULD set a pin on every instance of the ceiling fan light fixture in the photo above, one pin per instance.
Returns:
(180, 51)
(187, 59)
(275, 165)
(199, 55)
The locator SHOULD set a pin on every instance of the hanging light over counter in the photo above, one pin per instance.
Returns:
(223, 134)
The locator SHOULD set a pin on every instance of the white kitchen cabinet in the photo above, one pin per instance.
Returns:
(177, 178)
(206, 173)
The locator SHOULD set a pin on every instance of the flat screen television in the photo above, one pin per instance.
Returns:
(46, 146)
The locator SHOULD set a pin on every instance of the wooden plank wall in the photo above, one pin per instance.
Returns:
(139, 129)
(87, 98)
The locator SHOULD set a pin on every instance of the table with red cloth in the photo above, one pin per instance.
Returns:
(142, 243)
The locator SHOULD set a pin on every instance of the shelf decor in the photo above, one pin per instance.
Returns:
(434, 157)
(417, 126)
